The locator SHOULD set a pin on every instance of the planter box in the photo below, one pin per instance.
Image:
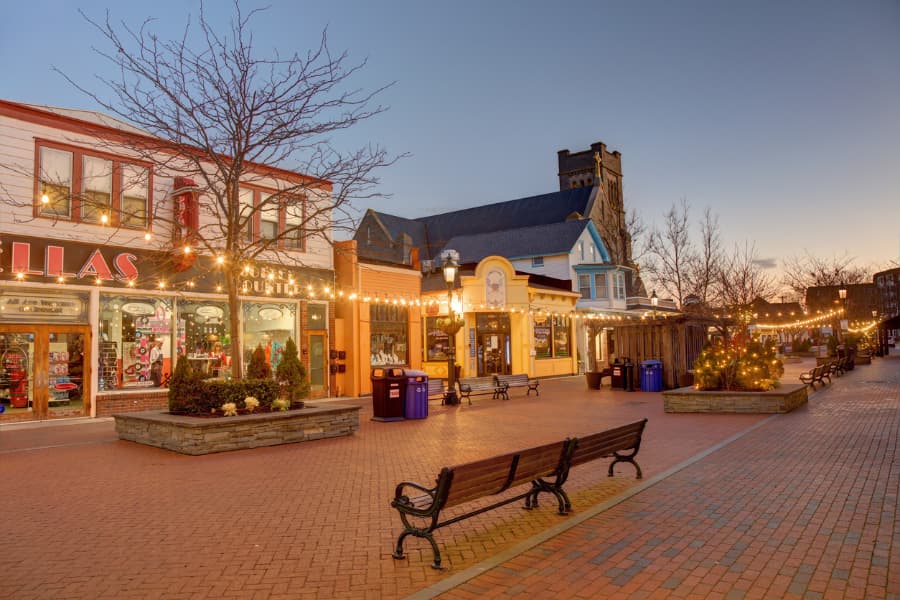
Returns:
(201, 435)
(780, 400)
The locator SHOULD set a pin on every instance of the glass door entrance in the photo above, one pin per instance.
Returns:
(43, 371)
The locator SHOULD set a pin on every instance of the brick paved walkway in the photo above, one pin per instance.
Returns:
(87, 516)
(805, 506)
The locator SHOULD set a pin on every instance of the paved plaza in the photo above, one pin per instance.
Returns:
(802, 505)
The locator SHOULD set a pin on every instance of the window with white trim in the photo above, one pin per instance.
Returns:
(600, 291)
(537, 261)
(619, 286)
(584, 286)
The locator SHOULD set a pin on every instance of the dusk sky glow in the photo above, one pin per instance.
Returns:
(784, 117)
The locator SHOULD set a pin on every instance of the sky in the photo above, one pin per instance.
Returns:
(783, 117)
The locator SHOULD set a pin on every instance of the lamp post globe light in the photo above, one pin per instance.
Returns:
(450, 269)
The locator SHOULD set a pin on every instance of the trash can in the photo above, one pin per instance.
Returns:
(617, 380)
(651, 376)
(388, 392)
(415, 406)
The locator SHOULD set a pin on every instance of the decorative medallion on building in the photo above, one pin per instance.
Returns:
(495, 288)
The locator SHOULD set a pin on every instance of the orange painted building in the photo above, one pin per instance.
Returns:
(378, 321)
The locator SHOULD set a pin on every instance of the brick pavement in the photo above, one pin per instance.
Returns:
(804, 506)
(88, 517)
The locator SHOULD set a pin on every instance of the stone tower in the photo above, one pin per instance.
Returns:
(602, 170)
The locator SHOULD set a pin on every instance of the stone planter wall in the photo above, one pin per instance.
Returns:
(198, 435)
(780, 400)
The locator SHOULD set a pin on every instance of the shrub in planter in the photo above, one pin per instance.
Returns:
(185, 388)
(291, 374)
(217, 392)
(258, 367)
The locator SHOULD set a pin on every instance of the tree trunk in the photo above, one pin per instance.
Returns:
(234, 318)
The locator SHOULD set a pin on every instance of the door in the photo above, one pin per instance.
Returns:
(44, 371)
(493, 354)
(317, 364)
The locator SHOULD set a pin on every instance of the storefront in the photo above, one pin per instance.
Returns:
(91, 331)
(513, 323)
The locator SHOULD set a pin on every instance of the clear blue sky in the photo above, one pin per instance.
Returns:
(784, 117)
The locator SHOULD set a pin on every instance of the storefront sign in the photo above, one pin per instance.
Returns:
(138, 308)
(18, 307)
(70, 261)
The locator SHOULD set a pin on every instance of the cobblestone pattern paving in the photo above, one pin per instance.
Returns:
(86, 516)
(805, 506)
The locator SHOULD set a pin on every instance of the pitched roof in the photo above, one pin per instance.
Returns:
(539, 240)
(399, 225)
(432, 233)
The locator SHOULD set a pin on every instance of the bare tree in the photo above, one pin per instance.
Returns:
(705, 263)
(670, 252)
(806, 271)
(219, 113)
(741, 279)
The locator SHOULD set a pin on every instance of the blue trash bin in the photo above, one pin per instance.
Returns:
(651, 376)
(416, 402)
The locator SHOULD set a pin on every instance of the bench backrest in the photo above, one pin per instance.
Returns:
(602, 444)
(435, 386)
(496, 474)
(521, 379)
(478, 383)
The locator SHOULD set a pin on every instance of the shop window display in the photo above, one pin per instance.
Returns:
(16, 372)
(551, 337)
(202, 336)
(389, 327)
(437, 342)
(268, 325)
(136, 342)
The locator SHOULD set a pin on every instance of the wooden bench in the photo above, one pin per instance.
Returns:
(818, 373)
(508, 381)
(479, 385)
(436, 389)
(545, 467)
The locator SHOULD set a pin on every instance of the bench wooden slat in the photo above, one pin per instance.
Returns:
(480, 478)
(541, 461)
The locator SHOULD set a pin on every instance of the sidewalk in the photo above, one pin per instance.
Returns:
(88, 516)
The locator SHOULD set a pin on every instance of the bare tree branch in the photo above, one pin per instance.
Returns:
(212, 109)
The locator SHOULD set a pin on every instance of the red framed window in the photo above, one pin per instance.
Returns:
(270, 216)
(80, 185)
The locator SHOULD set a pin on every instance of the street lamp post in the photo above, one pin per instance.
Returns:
(877, 333)
(450, 268)
(842, 293)
(654, 300)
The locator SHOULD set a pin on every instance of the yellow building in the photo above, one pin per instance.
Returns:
(513, 322)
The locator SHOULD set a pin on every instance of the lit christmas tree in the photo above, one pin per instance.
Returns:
(741, 365)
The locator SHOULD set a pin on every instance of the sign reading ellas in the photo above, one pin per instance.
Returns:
(122, 268)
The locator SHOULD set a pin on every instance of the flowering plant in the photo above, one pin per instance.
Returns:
(229, 409)
(281, 404)
(251, 403)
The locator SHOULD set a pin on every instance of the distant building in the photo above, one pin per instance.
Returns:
(887, 285)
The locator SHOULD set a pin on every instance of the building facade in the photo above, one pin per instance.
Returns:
(98, 294)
